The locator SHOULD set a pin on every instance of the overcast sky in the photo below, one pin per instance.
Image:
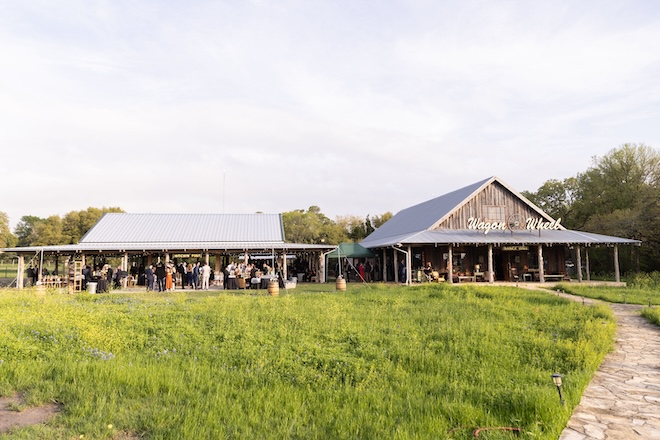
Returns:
(359, 107)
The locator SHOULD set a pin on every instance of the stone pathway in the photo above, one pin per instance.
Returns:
(622, 402)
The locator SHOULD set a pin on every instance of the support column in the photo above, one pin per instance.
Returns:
(322, 276)
(579, 263)
(450, 264)
(124, 262)
(284, 268)
(617, 275)
(586, 254)
(20, 274)
(491, 275)
(396, 266)
(384, 268)
(541, 270)
(409, 266)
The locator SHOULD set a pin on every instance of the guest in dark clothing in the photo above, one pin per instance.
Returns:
(149, 274)
(160, 277)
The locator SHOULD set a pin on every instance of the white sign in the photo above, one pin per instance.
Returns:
(531, 224)
(538, 224)
(478, 224)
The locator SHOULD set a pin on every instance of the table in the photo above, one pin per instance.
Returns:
(231, 283)
(467, 278)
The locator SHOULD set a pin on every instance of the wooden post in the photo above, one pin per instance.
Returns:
(20, 275)
(384, 268)
(491, 275)
(409, 266)
(579, 263)
(586, 255)
(617, 275)
(450, 264)
(541, 270)
(396, 266)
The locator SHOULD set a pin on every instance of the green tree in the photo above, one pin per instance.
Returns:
(379, 220)
(556, 197)
(311, 226)
(7, 239)
(24, 230)
(618, 195)
(75, 224)
(48, 232)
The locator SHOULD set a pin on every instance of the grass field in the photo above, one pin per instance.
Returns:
(623, 295)
(431, 361)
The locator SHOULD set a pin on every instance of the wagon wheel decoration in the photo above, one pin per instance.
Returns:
(516, 221)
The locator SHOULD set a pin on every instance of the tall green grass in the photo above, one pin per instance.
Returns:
(643, 295)
(374, 362)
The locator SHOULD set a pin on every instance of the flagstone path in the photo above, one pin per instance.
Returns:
(622, 402)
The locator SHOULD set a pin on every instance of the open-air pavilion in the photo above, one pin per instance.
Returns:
(139, 240)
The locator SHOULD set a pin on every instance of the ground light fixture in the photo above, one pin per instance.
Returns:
(556, 378)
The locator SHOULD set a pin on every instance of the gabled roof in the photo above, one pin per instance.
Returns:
(185, 228)
(418, 224)
(425, 215)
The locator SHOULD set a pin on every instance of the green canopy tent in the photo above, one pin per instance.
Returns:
(350, 250)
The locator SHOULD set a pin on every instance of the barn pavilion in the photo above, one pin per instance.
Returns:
(144, 239)
(486, 231)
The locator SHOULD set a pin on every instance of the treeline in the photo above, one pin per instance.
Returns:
(618, 195)
(54, 230)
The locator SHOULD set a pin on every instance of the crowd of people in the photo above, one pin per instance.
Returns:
(164, 277)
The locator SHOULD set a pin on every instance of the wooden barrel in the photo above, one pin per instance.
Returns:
(341, 284)
(273, 288)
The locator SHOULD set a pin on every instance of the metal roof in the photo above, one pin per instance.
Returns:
(131, 229)
(473, 237)
(417, 225)
(121, 232)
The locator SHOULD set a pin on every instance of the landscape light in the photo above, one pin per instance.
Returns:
(556, 378)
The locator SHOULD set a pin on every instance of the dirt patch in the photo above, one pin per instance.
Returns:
(12, 415)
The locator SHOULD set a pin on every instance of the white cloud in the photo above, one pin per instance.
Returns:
(355, 107)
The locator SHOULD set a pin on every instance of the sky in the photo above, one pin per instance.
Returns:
(358, 107)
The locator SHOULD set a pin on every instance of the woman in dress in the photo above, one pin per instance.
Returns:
(168, 278)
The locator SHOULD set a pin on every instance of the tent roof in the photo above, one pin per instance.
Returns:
(353, 250)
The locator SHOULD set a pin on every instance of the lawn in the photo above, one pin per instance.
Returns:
(429, 361)
(623, 295)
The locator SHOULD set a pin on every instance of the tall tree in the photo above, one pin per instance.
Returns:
(311, 226)
(76, 223)
(24, 230)
(618, 195)
(7, 239)
(48, 232)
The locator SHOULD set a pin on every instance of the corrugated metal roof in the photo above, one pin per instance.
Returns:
(185, 228)
(424, 215)
(474, 237)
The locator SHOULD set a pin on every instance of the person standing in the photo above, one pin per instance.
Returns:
(160, 276)
(196, 276)
(367, 272)
(169, 285)
(206, 276)
(149, 275)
